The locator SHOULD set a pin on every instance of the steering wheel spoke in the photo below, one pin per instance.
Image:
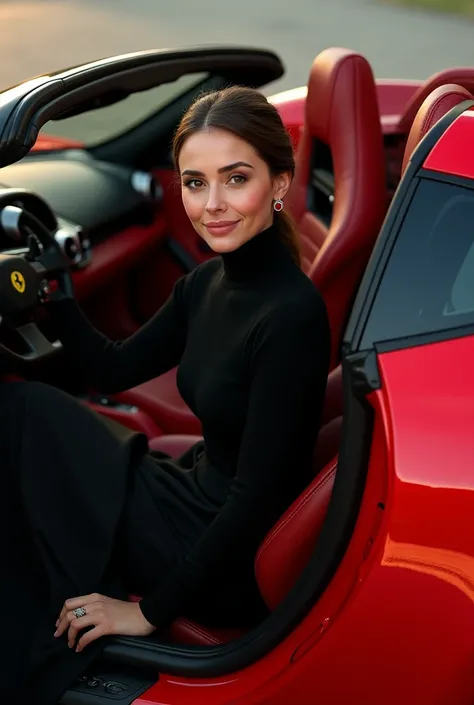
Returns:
(50, 263)
(35, 344)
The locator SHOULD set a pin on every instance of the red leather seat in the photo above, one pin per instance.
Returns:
(433, 108)
(161, 399)
(342, 135)
(463, 77)
(287, 548)
(339, 195)
(280, 559)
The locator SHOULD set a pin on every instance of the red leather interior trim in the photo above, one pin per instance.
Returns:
(160, 398)
(137, 421)
(178, 222)
(184, 631)
(117, 255)
(11, 378)
(333, 402)
(433, 108)
(329, 442)
(110, 310)
(152, 282)
(174, 444)
(287, 548)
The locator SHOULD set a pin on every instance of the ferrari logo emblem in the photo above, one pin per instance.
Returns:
(18, 281)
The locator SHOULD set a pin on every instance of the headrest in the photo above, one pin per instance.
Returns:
(336, 78)
(463, 77)
(433, 108)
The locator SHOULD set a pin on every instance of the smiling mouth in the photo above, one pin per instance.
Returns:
(220, 223)
(221, 227)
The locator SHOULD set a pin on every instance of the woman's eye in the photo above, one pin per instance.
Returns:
(237, 179)
(193, 183)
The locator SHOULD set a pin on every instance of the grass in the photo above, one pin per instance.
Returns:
(459, 7)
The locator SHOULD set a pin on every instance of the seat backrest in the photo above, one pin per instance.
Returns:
(463, 77)
(286, 549)
(339, 195)
(437, 104)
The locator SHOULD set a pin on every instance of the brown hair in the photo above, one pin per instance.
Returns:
(246, 113)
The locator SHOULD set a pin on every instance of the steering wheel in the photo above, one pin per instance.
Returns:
(24, 283)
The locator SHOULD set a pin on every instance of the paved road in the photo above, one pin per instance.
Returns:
(41, 35)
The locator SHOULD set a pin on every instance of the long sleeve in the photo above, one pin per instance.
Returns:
(289, 367)
(113, 366)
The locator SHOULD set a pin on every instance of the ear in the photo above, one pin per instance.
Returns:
(281, 185)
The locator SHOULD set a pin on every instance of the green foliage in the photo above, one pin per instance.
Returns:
(462, 7)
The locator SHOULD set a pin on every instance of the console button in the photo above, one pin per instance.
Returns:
(93, 682)
(115, 688)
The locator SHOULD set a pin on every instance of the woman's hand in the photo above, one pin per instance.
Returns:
(105, 614)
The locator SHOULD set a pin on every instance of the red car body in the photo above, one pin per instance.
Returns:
(395, 623)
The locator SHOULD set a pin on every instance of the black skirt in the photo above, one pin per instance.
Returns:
(85, 508)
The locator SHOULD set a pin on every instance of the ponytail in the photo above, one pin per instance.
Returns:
(288, 234)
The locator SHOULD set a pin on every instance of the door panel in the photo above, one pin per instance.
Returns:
(106, 287)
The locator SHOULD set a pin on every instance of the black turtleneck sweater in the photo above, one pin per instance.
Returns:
(250, 334)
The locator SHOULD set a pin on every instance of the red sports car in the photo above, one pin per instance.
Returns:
(369, 576)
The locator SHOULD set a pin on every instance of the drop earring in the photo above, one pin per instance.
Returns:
(278, 205)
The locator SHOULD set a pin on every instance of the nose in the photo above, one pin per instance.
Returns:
(215, 202)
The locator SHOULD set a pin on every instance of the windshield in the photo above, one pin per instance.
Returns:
(428, 284)
(110, 121)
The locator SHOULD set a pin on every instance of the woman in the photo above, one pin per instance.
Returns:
(93, 515)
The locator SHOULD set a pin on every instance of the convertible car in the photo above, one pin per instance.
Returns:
(369, 576)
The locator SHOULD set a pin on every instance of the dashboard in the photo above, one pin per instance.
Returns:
(81, 200)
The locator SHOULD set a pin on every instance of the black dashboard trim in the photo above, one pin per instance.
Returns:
(66, 185)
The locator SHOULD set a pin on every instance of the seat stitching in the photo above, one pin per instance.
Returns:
(200, 632)
(278, 529)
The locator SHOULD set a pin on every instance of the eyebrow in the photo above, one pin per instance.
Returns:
(222, 170)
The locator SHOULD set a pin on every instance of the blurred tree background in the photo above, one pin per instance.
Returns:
(464, 7)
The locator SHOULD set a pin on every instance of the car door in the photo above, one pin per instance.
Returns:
(409, 349)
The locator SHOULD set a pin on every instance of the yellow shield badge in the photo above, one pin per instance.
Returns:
(18, 281)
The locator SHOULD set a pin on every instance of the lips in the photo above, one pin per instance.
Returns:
(221, 227)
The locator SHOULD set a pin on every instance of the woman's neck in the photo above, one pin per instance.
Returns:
(255, 257)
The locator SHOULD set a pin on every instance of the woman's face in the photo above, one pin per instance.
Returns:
(227, 189)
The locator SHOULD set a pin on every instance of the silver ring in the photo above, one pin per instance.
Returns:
(79, 612)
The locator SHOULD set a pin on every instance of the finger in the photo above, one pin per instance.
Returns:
(64, 624)
(90, 636)
(75, 602)
(89, 620)
(70, 617)
(61, 615)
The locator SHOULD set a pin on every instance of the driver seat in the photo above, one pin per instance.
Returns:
(287, 548)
